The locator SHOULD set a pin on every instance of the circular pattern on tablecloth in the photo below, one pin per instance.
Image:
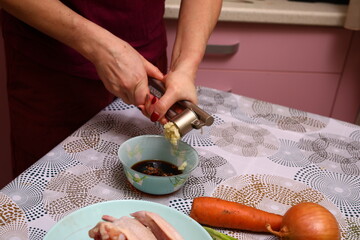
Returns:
(352, 231)
(240, 115)
(332, 152)
(182, 205)
(26, 191)
(36, 233)
(282, 117)
(244, 140)
(118, 105)
(289, 155)
(341, 189)
(272, 194)
(105, 132)
(201, 137)
(215, 101)
(355, 135)
(89, 135)
(81, 186)
(13, 224)
(52, 163)
(211, 171)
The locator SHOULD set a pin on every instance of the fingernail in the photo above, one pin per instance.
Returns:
(154, 100)
(154, 117)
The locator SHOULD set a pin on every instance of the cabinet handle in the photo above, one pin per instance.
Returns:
(221, 49)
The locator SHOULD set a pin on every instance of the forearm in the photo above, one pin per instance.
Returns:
(197, 19)
(58, 21)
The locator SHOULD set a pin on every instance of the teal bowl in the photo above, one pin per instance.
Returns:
(156, 147)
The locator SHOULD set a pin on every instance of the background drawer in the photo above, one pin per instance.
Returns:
(304, 91)
(276, 47)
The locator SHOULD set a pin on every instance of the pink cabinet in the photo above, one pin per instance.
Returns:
(296, 66)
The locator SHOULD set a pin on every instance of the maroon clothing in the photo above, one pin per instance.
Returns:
(138, 22)
(52, 89)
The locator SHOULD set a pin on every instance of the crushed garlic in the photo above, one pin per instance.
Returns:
(171, 133)
(182, 166)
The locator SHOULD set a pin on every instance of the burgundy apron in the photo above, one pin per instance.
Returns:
(52, 89)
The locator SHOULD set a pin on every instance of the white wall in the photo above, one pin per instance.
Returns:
(5, 161)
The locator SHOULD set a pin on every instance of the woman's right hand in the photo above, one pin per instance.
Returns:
(124, 71)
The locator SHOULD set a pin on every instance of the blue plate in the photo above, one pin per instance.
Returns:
(77, 224)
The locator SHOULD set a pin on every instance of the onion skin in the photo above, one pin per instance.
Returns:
(308, 221)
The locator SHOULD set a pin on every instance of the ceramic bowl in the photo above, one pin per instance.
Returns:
(156, 147)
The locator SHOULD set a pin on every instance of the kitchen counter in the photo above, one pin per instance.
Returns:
(274, 11)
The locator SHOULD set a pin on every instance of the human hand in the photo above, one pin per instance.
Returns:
(125, 72)
(179, 86)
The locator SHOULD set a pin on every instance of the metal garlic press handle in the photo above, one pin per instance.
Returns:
(202, 117)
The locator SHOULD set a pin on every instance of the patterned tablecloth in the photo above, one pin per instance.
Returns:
(260, 154)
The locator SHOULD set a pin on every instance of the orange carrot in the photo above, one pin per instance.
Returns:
(216, 212)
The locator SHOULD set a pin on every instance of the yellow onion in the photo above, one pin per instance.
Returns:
(308, 221)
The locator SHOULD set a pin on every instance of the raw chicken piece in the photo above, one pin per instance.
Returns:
(106, 231)
(159, 227)
(124, 228)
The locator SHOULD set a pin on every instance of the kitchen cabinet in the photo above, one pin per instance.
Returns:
(303, 67)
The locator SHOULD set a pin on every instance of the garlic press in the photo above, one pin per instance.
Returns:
(190, 117)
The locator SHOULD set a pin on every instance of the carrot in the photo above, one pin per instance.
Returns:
(216, 212)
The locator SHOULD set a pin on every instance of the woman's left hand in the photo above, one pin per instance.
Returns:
(180, 85)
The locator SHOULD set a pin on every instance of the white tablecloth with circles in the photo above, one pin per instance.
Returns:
(256, 153)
